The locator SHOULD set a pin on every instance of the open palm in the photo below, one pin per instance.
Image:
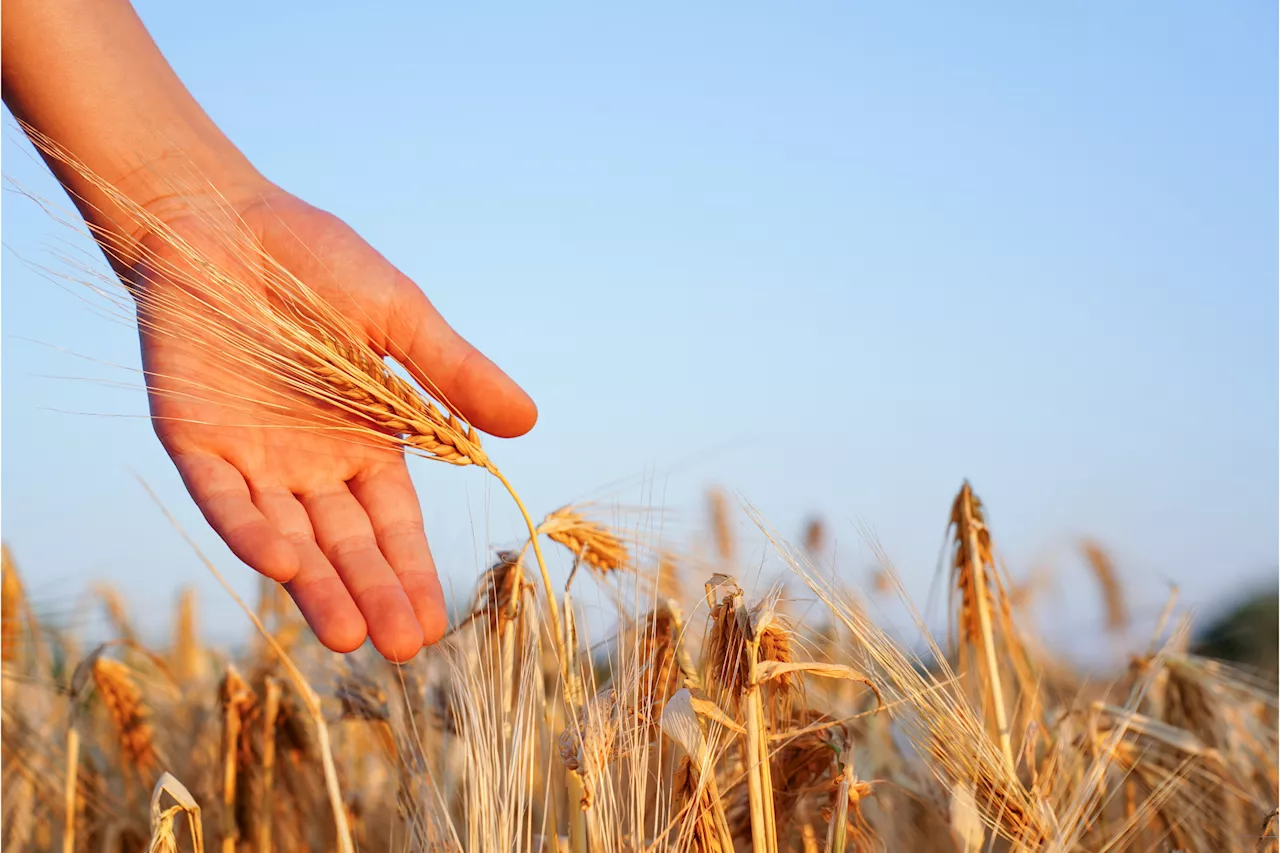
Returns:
(336, 521)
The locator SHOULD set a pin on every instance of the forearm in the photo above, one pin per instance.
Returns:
(87, 74)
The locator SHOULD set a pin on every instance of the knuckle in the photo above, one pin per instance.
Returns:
(401, 529)
(351, 547)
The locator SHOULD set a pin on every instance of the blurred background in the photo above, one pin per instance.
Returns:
(835, 258)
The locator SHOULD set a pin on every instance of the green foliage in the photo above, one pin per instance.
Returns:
(1248, 634)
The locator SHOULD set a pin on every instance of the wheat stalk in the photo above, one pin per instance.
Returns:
(701, 833)
(722, 533)
(69, 790)
(163, 839)
(741, 639)
(117, 612)
(238, 703)
(681, 721)
(972, 559)
(1117, 613)
(837, 829)
(271, 711)
(815, 536)
(11, 602)
(186, 645)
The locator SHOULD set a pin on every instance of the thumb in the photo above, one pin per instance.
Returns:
(443, 362)
(410, 330)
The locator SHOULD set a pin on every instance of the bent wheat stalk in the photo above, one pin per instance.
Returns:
(163, 838)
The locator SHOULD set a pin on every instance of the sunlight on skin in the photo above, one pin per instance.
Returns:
(338, 523)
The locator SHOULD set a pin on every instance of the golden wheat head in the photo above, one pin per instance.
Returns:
(590, 541)
(128, 712)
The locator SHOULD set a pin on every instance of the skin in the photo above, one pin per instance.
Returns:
(337, 523)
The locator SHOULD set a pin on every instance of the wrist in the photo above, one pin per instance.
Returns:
(126, 134)
(190, 172)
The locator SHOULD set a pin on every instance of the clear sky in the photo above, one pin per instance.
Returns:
(836, 256)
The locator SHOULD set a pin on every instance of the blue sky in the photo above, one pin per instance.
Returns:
(837, 257)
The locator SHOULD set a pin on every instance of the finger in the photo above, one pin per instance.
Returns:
(346, 537)
(222, 494)
(387, 495)
(442, 361)
(319, 593)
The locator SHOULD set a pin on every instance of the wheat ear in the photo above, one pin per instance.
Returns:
(128, 712)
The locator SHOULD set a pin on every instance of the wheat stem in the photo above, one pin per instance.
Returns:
(577, 817)
(507, 667)
(231, 724)
(717, 810)
(764, 833)
(69, 789)
(577, 820)
(552, 607)
(979, 573)
(579, 831)
(271, 710)
(839, 826)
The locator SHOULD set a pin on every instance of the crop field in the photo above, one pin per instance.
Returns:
(713, 720)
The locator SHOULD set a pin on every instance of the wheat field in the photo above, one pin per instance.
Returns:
(718, 715)
(711, 720)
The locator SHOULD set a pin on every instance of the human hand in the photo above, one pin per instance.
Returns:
(336, 521)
